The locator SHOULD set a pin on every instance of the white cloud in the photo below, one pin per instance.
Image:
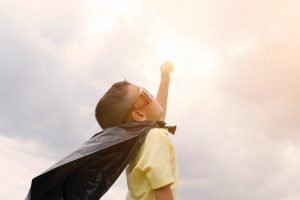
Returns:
(20, 160)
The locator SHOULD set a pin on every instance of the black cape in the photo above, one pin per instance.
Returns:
(90, 171)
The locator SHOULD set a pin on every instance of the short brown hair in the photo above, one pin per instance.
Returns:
(113, 106)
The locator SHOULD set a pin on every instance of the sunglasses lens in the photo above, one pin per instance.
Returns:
(144, 99)
(146, 93)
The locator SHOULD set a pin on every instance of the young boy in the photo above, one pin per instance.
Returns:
(153, 173)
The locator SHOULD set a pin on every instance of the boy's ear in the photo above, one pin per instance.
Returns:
(138, 115)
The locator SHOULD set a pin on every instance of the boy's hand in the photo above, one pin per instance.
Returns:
(166, 68)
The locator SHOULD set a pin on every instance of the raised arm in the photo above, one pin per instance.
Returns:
(162, 94)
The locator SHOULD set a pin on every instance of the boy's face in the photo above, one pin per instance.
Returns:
(151, 111)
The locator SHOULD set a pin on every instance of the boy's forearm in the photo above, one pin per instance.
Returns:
(164, 193)
(162, 94)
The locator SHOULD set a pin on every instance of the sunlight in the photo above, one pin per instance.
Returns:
(171, 48)
(203, 60)
(184, 54)
(238, 49)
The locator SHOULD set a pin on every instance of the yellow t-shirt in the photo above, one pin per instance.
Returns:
(154, 167)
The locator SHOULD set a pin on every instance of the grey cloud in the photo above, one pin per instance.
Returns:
(266, 79)
(35, 101)
(223, 155)
(240, 164)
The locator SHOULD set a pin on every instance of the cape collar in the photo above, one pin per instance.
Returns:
(162, 124)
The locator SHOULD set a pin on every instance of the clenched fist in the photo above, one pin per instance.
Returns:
(166, 68)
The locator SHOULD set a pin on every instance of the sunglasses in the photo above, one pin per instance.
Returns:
(141, 101)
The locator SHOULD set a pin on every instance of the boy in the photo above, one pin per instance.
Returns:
(153, 173)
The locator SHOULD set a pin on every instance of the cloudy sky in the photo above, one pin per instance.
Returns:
(234, 94)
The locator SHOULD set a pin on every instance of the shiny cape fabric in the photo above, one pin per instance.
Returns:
(87, 173)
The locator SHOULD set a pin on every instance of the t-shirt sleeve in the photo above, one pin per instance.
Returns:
(156, 159)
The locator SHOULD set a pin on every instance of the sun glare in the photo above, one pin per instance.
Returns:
(185, 56)
(238, 49)
(171, 48)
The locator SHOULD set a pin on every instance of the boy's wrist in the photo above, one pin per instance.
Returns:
(165, 78)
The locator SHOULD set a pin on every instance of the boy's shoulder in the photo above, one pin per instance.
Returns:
(158, 135)
(159, 132)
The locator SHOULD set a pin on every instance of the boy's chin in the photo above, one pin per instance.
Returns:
(159, 118)
(155, 119)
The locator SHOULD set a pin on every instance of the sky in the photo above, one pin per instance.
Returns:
(234, 93)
